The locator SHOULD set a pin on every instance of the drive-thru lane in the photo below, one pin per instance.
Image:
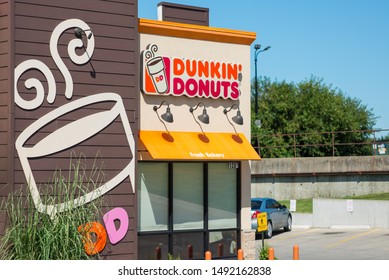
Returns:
(330, 244)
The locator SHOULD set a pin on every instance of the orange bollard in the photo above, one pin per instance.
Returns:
(208, 255)
(190, 252)
(158, 254)
(240, 254)
(220, 250)
(271, 253)
(296, 252)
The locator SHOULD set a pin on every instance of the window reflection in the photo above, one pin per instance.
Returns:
(153, 247)
(223, 243)
(188, 246)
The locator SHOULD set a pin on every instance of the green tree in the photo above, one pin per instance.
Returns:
(299, 120)
(384, 138)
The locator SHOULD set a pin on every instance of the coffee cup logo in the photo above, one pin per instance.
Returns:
(156, 69)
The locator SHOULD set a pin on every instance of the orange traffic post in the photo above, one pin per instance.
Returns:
(158, 254)
(190, 252)
(240, 254)
(220, 250)
(271, 253)
(296, 252)
(208, 255)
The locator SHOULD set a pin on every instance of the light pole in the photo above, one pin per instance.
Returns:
(258, 50)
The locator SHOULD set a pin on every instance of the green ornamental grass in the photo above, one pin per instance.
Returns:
(32, 235)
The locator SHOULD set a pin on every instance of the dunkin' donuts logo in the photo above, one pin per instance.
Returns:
(189, 77)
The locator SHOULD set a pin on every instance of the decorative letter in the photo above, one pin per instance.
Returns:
(178, 67)
(92, 248)
(178, 86)
(109, 220)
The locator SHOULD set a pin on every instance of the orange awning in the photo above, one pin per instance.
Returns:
(161, 145)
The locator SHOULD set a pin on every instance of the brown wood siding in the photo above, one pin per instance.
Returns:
(5, 148)
(4, 106)
(4, 129)
(184, 14)
(114, 27)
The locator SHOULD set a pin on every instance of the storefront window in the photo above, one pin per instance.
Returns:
(153, 196)
(223, 243)
(186, 208)
(222, 198)
(188, 189)
(187, 246)
(153, 247)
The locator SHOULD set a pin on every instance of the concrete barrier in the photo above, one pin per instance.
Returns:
(342, 213)
(329, 177)
(302, 220)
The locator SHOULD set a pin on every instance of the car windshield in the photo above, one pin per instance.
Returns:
(256, 204)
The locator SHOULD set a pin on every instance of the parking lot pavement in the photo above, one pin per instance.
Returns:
(330, 244)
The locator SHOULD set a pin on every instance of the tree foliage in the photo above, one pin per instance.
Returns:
(310, 119)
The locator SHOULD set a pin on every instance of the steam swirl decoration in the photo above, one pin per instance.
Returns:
(151, 51)
(32, 64)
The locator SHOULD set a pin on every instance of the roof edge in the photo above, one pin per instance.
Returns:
(197, 32)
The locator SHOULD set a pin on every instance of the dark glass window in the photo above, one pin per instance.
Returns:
(153, 247)
(188, 246)
(187, 208)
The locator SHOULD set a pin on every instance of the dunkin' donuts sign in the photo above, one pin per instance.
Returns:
(189, 77)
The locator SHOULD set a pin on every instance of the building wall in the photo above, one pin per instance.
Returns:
(5, 130)
(112, 70)
(183, 13)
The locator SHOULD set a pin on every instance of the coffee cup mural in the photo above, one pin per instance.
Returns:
(74, 133)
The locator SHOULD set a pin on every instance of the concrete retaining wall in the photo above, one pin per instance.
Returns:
(340, 213)
(327, 177)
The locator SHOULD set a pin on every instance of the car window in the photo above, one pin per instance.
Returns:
(269, 203)
(272, 204)
(277, 204)
(256, 204)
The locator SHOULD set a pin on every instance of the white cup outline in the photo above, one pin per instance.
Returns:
(28, 152)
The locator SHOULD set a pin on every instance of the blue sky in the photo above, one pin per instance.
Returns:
(344, 42)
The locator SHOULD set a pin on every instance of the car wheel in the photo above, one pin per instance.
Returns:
(269, 232)
(289, 224)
